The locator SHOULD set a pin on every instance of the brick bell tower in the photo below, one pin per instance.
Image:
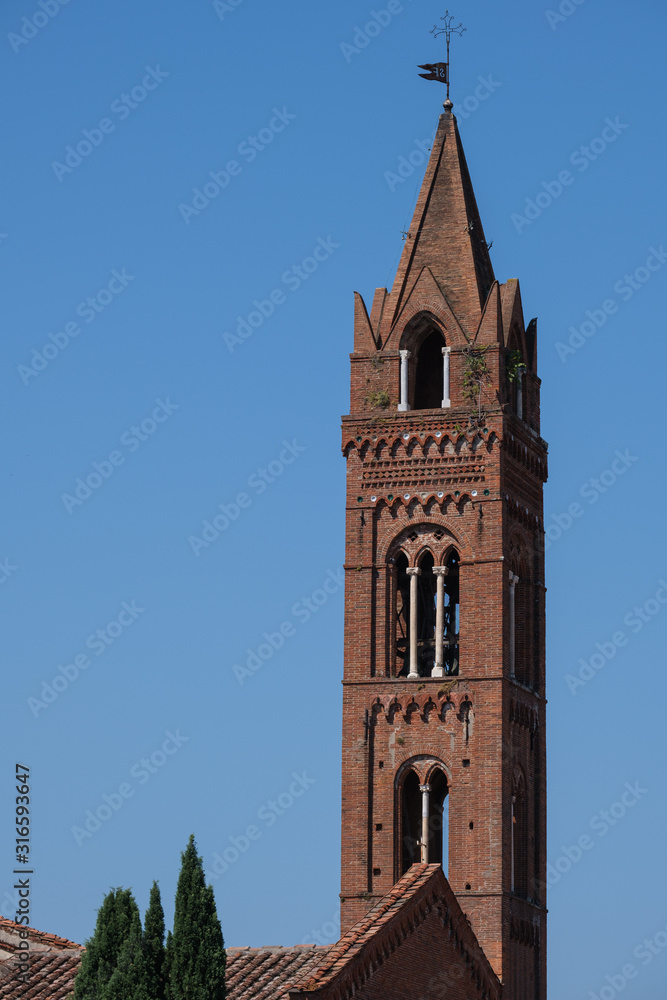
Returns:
(444, 685)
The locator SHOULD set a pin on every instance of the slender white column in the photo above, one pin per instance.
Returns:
(519, 396)
(513, 582)
(439, 665)
(403, 405)
(445, 377)
(425, 790)
(413, 572)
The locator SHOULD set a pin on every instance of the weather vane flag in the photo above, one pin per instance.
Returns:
(440, 71)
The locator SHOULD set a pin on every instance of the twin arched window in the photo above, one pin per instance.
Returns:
(423, 820)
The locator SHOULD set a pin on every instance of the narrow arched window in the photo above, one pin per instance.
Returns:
(424, 820)
(519, 857)
(426, 610)
(402, 615)
(523, 630)
(515, 368)
(438, 846)
(429, 388)
(451, 615)
(410, 822)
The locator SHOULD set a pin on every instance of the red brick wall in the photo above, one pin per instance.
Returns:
(428, 966)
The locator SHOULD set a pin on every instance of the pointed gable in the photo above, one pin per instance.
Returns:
(446, 235)
(426, 296)
(415, 942)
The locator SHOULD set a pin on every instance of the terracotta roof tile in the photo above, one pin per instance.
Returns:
(266, 973)
(51, 976)
(9, 937)
(257, 973)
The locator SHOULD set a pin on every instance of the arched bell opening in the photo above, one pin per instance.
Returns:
(438, 826)
(424, 379)
(426, 616)
(451, 615)
(429, 382)
(410, 821)
(424, 820)
(402, 615)
(426, 611)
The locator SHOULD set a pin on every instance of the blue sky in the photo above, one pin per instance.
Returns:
(139, 301)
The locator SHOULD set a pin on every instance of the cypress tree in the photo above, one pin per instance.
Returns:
(128, 981)
(197, 954)
(168, 962)
(154, 950)
(114, 921)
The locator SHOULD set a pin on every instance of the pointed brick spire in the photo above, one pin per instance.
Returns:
(446, 233)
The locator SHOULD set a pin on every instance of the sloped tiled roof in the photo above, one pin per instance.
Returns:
(257, 973)
(51, 976)
(269, 973)
(361, 951)
(53, 964)
(266, 973)
(9, 939)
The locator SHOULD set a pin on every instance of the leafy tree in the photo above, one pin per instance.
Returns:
(196, 952)
(153, 946)
(114, 921)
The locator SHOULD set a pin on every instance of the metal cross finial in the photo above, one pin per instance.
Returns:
(448, 29)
